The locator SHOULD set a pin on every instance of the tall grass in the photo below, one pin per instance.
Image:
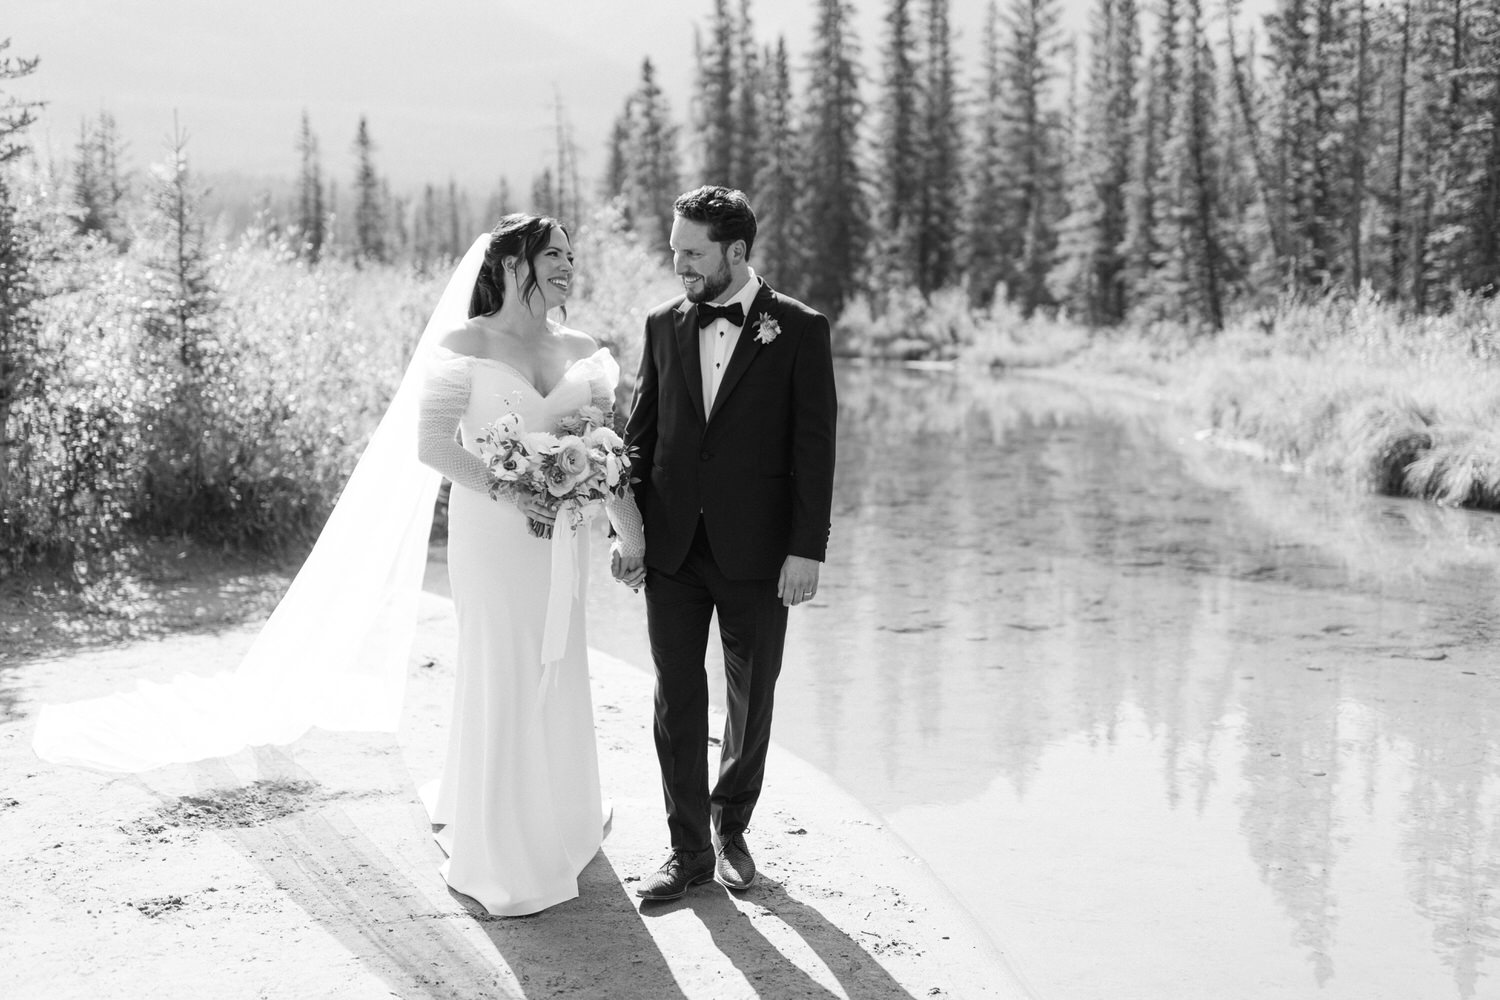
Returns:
(901, 325)
(1355, 389)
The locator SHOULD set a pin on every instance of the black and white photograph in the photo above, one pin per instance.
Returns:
(750, 500)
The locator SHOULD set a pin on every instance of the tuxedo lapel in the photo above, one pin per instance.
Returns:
(747, 347)
(685, 320)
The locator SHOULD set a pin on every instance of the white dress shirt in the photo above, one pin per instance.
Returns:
(716, 342)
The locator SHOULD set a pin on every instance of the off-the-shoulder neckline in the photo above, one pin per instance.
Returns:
(516, 371)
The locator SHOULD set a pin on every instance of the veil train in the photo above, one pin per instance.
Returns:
(334, 652)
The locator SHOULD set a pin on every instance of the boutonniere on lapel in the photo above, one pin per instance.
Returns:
(766, 329)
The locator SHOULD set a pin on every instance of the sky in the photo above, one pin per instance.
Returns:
(452, 89)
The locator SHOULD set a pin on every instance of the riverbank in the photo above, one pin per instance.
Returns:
(1347, 388)
(308, 870)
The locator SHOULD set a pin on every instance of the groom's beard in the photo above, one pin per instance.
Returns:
(713, 284)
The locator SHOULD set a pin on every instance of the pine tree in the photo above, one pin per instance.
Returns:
(617, 156)
(544, 193)
(568, 203)
(182, 291)
(369, 207)
(1089, 276)
(832, 210)
(88, 196)
(713, 113)
(940, 140)
(1483, 273)
(989, 249)
(396, 210)
(1250, 256)
(499, 204)
(777, 251)
(178, 322)
(455, 232)
(1248, 112)
(1395, 231)
(1430, 128)
(20, 328)
(1029, 136)
(1317, 81)
(427, 226)
(1188, 276)
(334, 237)
(1355, 236)
(651, 181)
(1460, 248)
(312, 215)
(749, 146)
(99, 186)
(899, 163)
(1149, 175)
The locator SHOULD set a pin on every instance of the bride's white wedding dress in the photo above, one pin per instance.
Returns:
(518, 802)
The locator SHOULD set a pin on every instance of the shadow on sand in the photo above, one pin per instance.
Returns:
(323, 862)
(758, 959)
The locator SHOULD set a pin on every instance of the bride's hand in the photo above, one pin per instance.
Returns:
(537, 511)
(629, 570)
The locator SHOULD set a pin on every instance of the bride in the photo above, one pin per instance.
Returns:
(518, 802)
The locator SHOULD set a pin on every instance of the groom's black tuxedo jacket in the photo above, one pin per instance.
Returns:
(760, 466)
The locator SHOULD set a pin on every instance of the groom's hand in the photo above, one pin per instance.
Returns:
(629, 570)
(798, 581)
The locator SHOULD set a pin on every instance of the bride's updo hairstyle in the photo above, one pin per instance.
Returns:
(514, 236)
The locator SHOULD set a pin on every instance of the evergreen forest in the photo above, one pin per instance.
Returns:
(1292, 217)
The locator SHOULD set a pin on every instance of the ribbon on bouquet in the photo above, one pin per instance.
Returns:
(563, 588)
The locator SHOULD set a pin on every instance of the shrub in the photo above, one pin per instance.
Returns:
(250, 444)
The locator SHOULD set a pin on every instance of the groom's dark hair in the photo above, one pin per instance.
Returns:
(726, 211)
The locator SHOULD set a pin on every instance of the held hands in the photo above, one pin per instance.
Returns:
(539, 518)
(629, 570)
(533, 508)
(798, 581)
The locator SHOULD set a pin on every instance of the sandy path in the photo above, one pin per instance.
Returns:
(308, 871)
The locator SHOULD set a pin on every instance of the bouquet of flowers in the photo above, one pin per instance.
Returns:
(582, 462)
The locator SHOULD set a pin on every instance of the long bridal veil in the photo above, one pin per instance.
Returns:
(334, 653)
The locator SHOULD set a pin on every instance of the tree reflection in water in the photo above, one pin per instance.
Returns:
(1018, 564)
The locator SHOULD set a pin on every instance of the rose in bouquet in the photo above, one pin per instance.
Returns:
(582, 462)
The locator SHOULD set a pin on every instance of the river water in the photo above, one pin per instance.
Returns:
(1170, 723)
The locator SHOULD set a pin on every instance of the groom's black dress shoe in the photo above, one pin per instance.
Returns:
(735, 868)
(682, 869)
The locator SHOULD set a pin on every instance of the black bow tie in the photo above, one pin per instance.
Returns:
(708, 312)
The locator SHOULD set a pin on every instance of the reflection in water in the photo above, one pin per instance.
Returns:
(1169, 722)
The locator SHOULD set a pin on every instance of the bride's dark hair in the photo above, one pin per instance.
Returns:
(517, 235)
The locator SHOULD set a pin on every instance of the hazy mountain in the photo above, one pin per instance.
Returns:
(466, 89)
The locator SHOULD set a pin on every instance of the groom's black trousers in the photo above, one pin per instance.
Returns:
(752, 625)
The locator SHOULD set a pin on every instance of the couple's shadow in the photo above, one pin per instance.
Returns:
(762, 961)
(602, 945)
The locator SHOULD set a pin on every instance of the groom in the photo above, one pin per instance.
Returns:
(733, 426)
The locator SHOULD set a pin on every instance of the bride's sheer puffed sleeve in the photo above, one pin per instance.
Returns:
(625, 517)
(445, 396)
(603, 374)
